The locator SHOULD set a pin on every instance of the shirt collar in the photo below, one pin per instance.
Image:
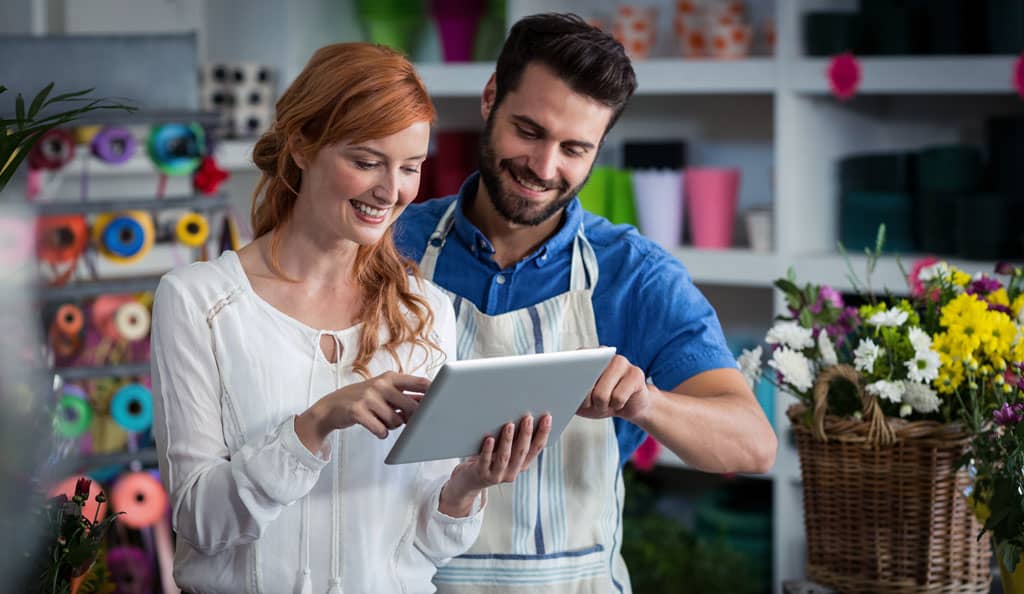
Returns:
(480, 246)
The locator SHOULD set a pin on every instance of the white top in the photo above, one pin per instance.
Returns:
(230, 372)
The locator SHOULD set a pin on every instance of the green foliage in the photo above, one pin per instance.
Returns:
(19, 134)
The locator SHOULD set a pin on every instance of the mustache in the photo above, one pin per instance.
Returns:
(528, 176)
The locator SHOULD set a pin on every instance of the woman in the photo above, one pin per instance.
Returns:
(280, 370)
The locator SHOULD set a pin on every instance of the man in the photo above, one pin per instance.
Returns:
(530, 271)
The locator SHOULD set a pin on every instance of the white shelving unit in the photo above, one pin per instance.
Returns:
(773, 116)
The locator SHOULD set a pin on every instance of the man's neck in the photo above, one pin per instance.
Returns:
(512, 242)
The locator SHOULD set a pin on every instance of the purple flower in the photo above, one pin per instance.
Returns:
(831, 295)
(983, 285)
(1000, 308)
(1009, 415)
(1005, 268)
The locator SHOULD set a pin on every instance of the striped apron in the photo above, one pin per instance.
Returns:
(558, 528)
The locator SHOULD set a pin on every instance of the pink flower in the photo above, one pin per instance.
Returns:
(646, 455)
(831, 296)
(983, 286)
(916, 286)
(1009, 415)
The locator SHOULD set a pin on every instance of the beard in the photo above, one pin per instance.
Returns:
(511, 206)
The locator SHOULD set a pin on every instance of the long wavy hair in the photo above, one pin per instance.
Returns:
(350, 92)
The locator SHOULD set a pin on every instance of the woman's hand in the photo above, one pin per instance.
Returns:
(380, 404)
(499, 461)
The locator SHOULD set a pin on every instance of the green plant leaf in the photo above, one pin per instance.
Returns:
(37, 103)
(67, 96)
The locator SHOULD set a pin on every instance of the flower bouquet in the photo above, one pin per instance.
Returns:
(894, 397)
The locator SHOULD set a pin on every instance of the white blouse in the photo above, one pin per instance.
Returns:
(230, 372)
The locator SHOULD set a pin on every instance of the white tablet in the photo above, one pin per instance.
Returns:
(469, 400)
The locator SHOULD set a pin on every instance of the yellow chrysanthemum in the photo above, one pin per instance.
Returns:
(960, 278)
(962, 306)
(998, 334)
(1017, 304)
(999, 297)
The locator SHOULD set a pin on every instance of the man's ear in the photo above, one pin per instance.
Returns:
(487, 100)
(296, 148)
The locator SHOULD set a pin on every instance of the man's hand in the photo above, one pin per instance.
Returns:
(621, 391)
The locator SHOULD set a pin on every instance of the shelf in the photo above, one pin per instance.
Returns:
(654, 77)
(925, 75)
(73, 374)
(732, 267)
(87, 289)
(200, 203)
(147, 457)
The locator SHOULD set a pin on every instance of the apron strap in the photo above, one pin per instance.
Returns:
(428, 263)
(584, 261)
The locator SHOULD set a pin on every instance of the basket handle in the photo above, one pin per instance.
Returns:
(879, 432)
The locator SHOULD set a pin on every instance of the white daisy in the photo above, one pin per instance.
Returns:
(794, 367)
(921, 397)
(889, 317)
(924, 367)
(891, 391)
(828, 352)
(750, 365)
(790, 334)
(865, 354)
(920, 339)
(936, 270)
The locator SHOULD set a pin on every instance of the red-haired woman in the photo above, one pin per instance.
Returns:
(281, 371)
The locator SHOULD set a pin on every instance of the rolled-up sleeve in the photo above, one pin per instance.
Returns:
(219, 499)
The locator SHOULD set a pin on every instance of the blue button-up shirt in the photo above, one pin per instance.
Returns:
(645, 303)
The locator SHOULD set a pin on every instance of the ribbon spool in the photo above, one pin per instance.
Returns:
(142, 499)
(61, 239)
(176, 149)
(132, 408)
(69, 319)
(54, 149)
(91, 509)
(74, 390)
(104, 312)
(131, 570)
(192, 229)
(15, 242)
(132, 321)
(72, 417)
(124, 237)
(113, 145)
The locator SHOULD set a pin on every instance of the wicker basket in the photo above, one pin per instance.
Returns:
(884, 509)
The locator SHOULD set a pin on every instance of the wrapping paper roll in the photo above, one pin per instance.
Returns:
(69, 319)
(132, 408)
(176, 149)
(61, 239)
(54, 149)
(91, 508)
(113, 145)
(72, 418)
(124, 237)
(142, 499)
(132, 321)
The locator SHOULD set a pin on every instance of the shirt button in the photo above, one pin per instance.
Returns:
(500, 279)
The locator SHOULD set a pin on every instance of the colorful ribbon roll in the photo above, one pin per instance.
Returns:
(72, 417)
(124, 237)
(54, 149)
(192, 230)
(142, 499)
(132, 408)
(74, 390)
(176, 149)
(61, 239)
(69, 319)
(91, 509)
(131, 570)
(113, 145)
(132, 321)
(104, 311)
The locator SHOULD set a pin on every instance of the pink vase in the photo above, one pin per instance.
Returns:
(711, 196)
(457, 22)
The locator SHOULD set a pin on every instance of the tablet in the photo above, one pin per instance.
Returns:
(471, 399)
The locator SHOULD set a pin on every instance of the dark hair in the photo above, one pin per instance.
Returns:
(589, 60)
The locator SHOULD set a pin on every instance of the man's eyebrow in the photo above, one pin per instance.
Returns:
(534, 124)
